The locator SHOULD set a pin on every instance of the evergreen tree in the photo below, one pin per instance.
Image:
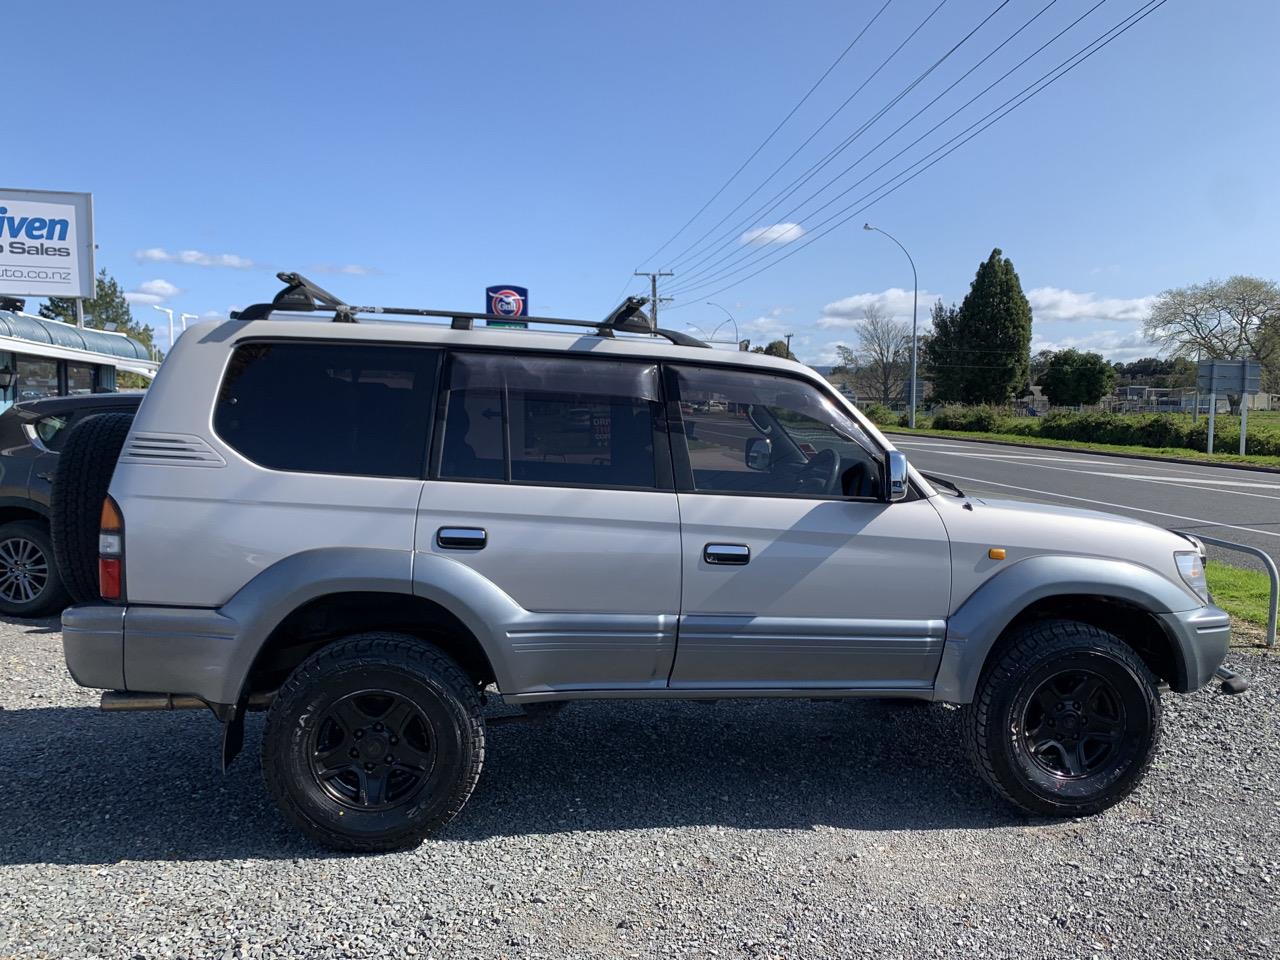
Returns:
(1073, 378)
(108, 308)
(981, 353)
(777, 348)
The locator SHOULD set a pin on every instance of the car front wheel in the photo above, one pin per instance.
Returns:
(1065, 721)
(373, 742)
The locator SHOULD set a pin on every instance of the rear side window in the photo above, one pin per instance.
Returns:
(550, 420)
(350, 408)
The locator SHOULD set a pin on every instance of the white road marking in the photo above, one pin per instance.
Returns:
(1184, 483)
(1104, 503)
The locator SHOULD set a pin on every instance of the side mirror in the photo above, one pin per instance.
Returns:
(895, 480)
(759, 453)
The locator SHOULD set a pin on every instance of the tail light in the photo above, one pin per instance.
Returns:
(111, 552)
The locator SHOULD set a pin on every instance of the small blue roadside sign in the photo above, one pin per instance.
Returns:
(507, 300)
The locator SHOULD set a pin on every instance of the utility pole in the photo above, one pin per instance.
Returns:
(654, 299)
(788, 337)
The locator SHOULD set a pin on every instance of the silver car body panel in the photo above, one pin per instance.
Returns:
(836, 593)
(581, 592)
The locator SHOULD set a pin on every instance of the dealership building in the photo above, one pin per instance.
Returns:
(48, 358)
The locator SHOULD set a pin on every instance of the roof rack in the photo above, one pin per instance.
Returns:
(300, 295)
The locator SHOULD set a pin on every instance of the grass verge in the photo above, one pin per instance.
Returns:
(1241, 592)
(1162, 453)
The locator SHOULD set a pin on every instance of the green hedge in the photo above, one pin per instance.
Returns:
(1154, 430)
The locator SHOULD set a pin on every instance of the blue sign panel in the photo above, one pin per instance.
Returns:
(507, 300)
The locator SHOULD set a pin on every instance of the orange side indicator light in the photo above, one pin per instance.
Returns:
(996, 553)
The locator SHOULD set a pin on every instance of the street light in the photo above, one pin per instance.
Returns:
(915, 295)
(166, 310)
(723, 322)
(185, 316)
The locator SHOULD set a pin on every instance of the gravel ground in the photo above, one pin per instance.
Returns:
(741, 829)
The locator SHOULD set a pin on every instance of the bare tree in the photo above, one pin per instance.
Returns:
(1233, 319)
(884, 346)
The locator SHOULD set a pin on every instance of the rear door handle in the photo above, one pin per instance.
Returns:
(727, 553)
(462, 538)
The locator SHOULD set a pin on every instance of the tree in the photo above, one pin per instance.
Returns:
(981, 352)
(1073, 378)
(1233, 319)
(108, 309)
(777, 348)
(1039, 364)
(884, 346)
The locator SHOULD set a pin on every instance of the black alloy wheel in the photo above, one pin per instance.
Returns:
(373, 742)
(373, 750)
(1065, 720)
(1073, 724)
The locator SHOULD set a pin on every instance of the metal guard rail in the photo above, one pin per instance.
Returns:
(1272, 572)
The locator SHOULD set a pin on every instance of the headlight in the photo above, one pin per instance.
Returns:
(1191, 567)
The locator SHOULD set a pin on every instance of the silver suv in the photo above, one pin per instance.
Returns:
(369, 528)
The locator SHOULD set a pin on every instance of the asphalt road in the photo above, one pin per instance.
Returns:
(1239, 505)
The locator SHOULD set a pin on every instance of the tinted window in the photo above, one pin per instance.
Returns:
(51, 430)
(550, 420)
(757, 433)
(329, 408)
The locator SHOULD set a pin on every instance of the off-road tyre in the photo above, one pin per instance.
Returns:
(1017, 696)
(29, 582)
(307, 729)
(80, 480)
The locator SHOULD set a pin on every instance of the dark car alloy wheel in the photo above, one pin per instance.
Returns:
(373, 750)
(24, 570)
(1073, 724)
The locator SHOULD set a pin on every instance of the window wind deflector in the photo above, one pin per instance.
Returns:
(604, 378)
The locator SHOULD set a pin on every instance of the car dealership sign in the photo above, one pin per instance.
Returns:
(46, 244)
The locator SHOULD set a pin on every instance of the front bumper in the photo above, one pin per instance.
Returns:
(1202, 636)
(178, 650)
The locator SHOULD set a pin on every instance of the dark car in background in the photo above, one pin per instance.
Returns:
(31, 434)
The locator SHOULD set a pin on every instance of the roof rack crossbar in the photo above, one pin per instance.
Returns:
(300, 295)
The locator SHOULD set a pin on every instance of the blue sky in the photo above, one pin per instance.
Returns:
(415, 153)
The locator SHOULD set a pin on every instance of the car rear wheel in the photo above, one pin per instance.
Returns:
(1066, 720)
(30, 585)
(373, 742)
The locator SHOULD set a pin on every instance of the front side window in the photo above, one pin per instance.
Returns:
(763, 434)
(349, 408)
(550, 420)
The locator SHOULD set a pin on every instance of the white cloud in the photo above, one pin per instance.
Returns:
(193, 258)
(1052, 303)
(895, 302)
(152, 292)
(776, 233)
(1123, 345)
(348, 269)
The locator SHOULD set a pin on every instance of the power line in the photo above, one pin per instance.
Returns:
(774, 132)
(727, 239)
(813, 169)
(680, 257)
(1046, 80)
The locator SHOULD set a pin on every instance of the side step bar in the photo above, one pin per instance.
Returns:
(114, 701)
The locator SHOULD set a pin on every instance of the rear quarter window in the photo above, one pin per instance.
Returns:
(351, 409)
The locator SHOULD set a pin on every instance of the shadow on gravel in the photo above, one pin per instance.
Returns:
(99, 788)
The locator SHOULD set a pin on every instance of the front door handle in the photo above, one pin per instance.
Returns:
(727, 553)
(462, 538)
